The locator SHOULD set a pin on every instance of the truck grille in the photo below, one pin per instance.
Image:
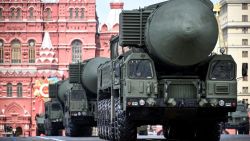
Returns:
(220, 89)
(182, 91)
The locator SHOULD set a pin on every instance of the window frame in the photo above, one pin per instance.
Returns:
(76, 51)
(19, 90)
(18, 13)
(82, 13)
(31, 12)
(71, 13)
(12, 13)
(245, 30)
(16, 53)
(245, 42)
(48, 13)
(77, 13)
(244, 18)
(32, 51)
(211, 71)
(144, 78)
(9, 90)
(244, 6)
(245, 90)
(244, 54)
(1, 13)
(2, 52)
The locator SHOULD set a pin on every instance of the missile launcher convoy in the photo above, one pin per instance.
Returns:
(161, 71)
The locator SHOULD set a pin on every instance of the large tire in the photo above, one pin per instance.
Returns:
(165, 131)
(48, 132)
(244, 130)
(208, 131)
(38, 132)
(101, 119)
(126, 130)
(247, 130)
(70, 129)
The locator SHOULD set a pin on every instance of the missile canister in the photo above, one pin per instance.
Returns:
(63, 88)
(181, 37)
(89, 73)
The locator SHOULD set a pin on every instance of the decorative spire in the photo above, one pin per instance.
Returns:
(47, 54)
(46, 41)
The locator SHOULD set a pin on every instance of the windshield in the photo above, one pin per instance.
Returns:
(140, 69)
(241, 108)
(222, 70)
(77, 95)
(56, 107)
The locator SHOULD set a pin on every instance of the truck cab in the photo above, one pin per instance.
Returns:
(239, 119)
(53, 117)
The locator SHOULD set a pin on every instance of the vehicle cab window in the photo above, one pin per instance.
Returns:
(56, 107)
(222, 70)
(140, 69)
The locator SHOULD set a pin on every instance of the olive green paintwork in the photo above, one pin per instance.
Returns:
(181, 37)
(89, 73)
(239, 119)
(63, 88)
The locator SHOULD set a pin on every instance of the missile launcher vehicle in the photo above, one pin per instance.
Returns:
(53, 121)
(40, 124)
(239, 119)
(77, 98)
(162, 71)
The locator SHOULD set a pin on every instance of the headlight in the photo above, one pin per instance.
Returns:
(244, 118)
(135, 103)
(142, 102)
(79, 113)
(221, 102)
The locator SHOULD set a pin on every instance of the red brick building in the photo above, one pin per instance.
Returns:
(38, 39)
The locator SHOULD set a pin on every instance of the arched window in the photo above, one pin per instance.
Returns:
(31, 11)
(82, 13)
(9, 90)
(12, 13)
(15, 51)
(77, 12)
(71, 13)
(1, 13)
(76, 51)
(1, 51)
(18, 14)
(32, 48)
(19, 90)
(47, 14)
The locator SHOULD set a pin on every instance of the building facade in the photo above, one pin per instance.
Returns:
(235, 25)
(38, 40)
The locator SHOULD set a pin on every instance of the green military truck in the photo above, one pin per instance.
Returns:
(53, 121)
(239, 119)
(76, 98)
(40, 124)
(162, 71)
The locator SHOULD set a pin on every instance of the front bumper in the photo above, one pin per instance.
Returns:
(240, 125)
(182, 103)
